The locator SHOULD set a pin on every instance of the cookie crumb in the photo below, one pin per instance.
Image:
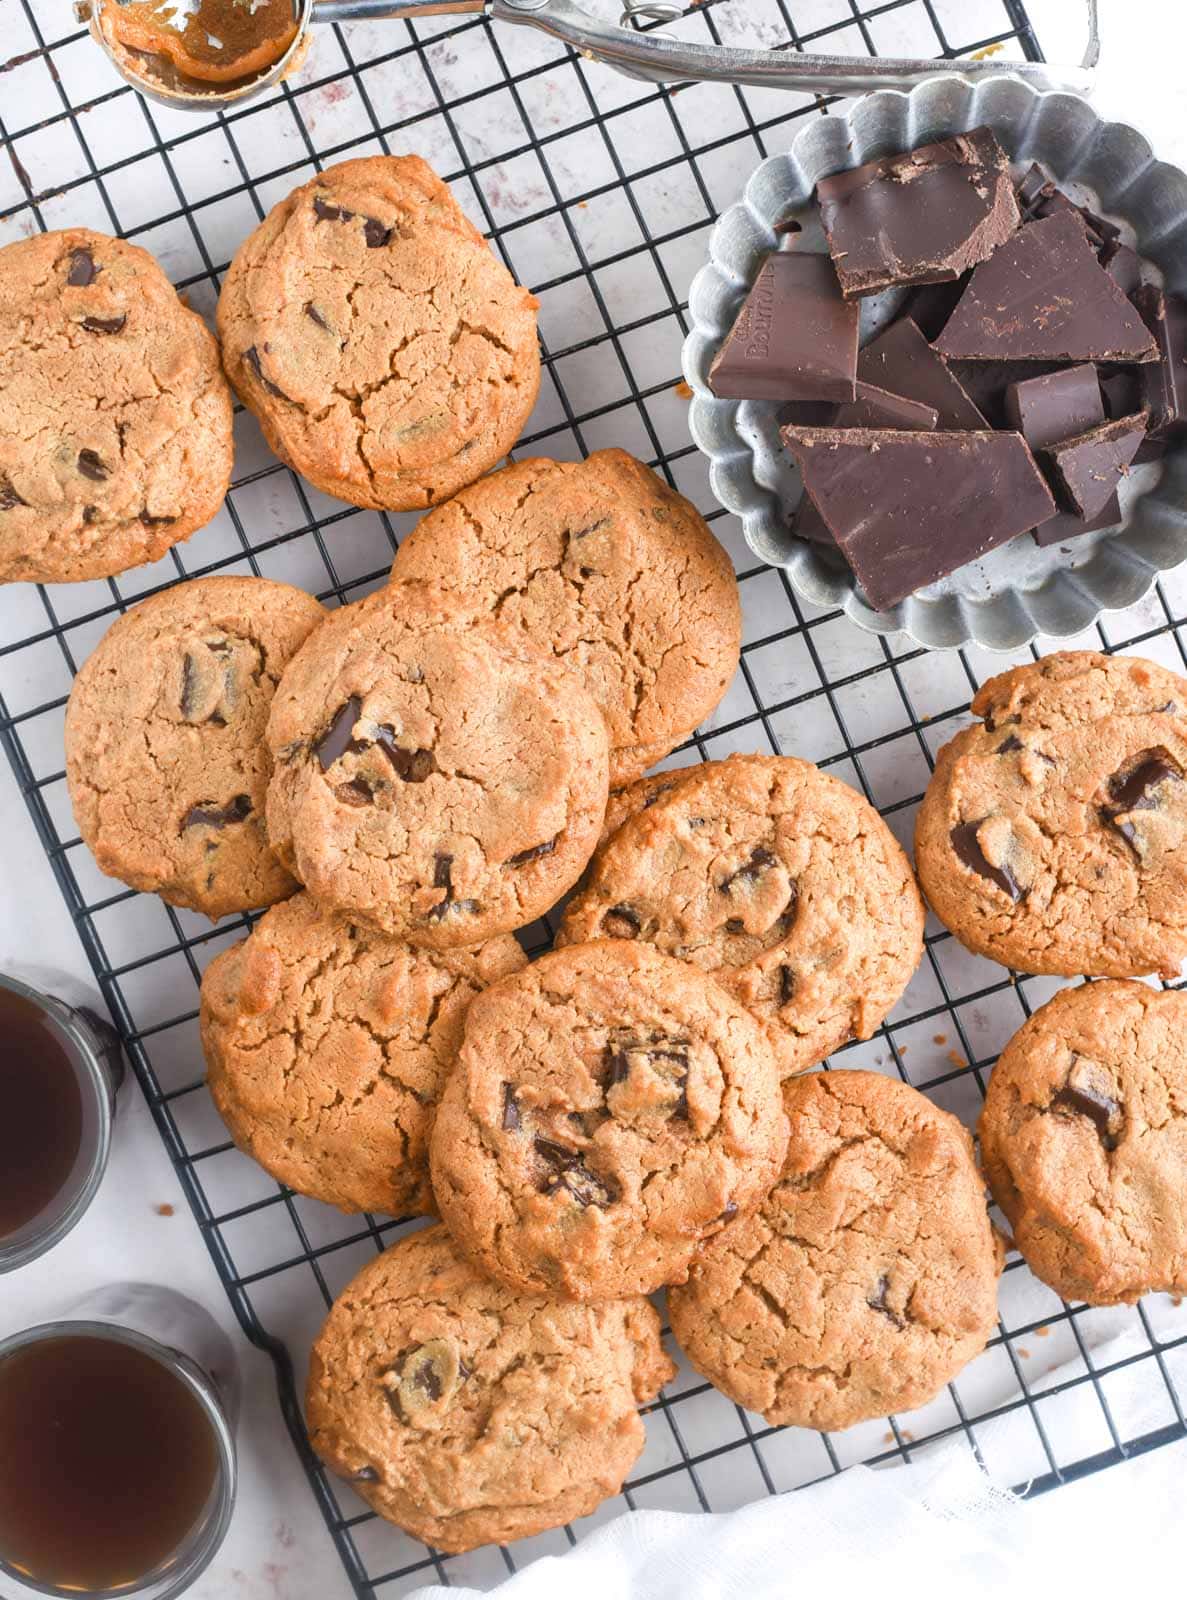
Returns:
(683, 389)
(957, 1059)
(1043, 1332)
(939, 1038)
(164, 1209)
(1024, 1352)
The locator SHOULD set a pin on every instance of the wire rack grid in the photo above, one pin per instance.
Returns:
(599, 193)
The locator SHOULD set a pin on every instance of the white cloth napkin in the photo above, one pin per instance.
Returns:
(936, 1525)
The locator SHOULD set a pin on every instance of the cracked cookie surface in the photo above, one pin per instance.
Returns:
(115, 417)
(468, 1414)
(1084, 1140)
(605, 568)
(165, 754)
(389, 356)
(610, 1109)
(1053, 835)
(868, 1277)
(327, 1046)
(435, 777)
(780, 881)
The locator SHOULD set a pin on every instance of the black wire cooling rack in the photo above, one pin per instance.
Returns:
(599, 193)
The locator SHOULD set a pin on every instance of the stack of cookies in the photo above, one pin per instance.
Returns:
(411, 781)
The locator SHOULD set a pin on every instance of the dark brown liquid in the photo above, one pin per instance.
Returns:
(40, 1113)
(106, 1462)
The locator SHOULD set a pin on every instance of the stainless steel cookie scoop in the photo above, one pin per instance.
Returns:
(638, 55)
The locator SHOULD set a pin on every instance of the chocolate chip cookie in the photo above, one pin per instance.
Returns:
(780, 881)
(435, 777)
(327, 1046)
(468, 1414)
(1053, 835)
(610, 1109)
(606, 569)
(165, 754)
(115, 417)
(388, 355)
(1084, 1140)
(868, 1277)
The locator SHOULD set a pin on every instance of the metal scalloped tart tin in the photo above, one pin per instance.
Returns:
(1018, 591)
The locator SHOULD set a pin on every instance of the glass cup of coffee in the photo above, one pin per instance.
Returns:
(117, 1452)
(60, 1070)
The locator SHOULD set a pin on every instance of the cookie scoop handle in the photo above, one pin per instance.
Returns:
(659, 60)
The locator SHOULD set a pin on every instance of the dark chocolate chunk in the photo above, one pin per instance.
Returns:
(325, 212)
(1088, 468)
(316, 317)
(91, 465)
(1055, 406)
(156, 522)
(413, 766)
(1044, 296)
(1008, 745)
(987, 382)
(967, 849)
(209, 814)
(908, 508)
(807, 413)
(1066, 525)
(9, 498)
(375, 234)
(337, 738)
(809, 524)
(83, 270)
(1165, 382)
(533, 853)
(1038, 196)
(443, 879)
(751, 869)
(1122, 391)
(511, 1118)
(922, 217)
(621, 922)
(902, 361)
(1137, 788)
(1030, 187)
(1123, 265)
(786, 226)
(878, 408)
(566, 1170)
(667, 1057)
(786, 985)
(1082, 1098)
(105, 324)
(929, 305)
(252, 356)
(356, 792)
(1051, 407)
(877, 1302)
(795, 338)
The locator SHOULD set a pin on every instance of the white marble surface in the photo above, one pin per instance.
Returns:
(278, 1548)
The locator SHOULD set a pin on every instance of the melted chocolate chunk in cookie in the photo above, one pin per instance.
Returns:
(82, 270)
(105, 324)
(1142, 786)
(339, 735)
(208, 814)
(968, 850)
